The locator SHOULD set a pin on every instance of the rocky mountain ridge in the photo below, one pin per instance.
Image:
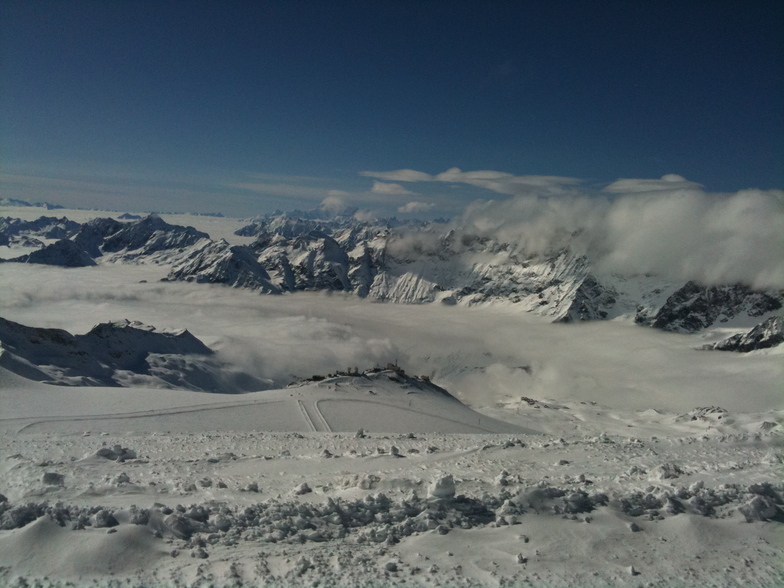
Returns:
(768, 333)
(413, 263)
(119, 353)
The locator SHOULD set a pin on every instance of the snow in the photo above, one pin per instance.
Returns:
(498, 449)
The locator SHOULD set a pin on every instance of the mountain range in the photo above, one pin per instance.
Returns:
(390, 261)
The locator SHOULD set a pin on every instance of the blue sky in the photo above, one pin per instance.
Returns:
(244, 107)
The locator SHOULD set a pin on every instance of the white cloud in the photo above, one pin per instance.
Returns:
(682, 232)
(401, 175)
(284, 337)
(390, 189)
(512, 185)
(667, 182)
(335, 202)
(415, 207)
(668, 226)
(500, 182)
(365, 216)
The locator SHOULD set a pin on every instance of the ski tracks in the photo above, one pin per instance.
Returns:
(314, 418)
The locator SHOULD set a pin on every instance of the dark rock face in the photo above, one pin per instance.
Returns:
(695, 307)
(63, 253)
(591, 301)
(765, 335)
(92, 234)
(100, 357)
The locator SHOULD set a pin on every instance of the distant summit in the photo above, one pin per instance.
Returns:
(15, 202)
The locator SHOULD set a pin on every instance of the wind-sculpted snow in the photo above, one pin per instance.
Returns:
(115, 354)
(231, 509)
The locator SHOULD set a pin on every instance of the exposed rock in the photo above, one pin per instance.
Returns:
(694, 307)
(64, 253)
(769, 333)
(53, 479)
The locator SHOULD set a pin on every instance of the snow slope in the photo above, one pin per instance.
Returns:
(206, 496)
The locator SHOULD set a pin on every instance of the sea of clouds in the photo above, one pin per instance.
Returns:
(670, 226)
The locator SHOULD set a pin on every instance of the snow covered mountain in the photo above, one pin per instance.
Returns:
(412, 263)
(25, 203)
(149, 235)
(65, 253)
(219, 263)
(148, 239)
(120, 353)
(46, 227)
(768, 333)
(695, 307)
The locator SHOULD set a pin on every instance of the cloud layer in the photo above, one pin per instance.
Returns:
(500, 182)
(285, 337)
(680, 233)
(669, 226)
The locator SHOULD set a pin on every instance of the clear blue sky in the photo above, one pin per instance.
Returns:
(248, 106)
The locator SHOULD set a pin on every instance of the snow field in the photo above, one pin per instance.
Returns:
(291, 508)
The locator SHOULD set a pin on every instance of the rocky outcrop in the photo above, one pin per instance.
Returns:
(118, 353)
(695, 307)
(313, 261)
(63, 253)
(92, 234)
(765, 335)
